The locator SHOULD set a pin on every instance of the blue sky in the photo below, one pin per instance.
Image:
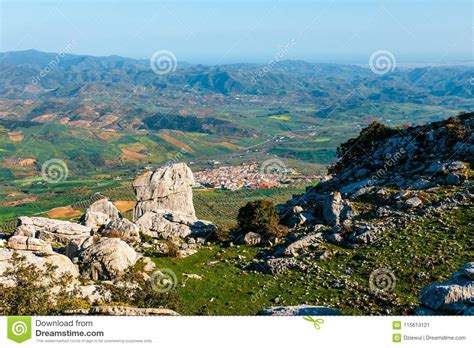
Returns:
(244, 31)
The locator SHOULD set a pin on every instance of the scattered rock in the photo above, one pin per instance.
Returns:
(300, 245)
(192, 276)
(298, 310)
(148, 264)
(125, 311)
(413, 202)
(252, 238)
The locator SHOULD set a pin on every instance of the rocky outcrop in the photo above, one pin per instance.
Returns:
(313, 208)
(172, 225)
(50, 230)
(165, 209)
(299, 310)
(168, 188)
(30, 244)
(419, 157)
(336, 210)
(100, 213)
(123, 229)
(452, 297)
(107, 259)
(125, 311)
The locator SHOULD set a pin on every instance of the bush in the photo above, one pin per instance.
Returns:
(455, 130)
(260, 216)
(220, 234)
(33, 290)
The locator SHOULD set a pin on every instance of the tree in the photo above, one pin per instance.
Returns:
(260, 216)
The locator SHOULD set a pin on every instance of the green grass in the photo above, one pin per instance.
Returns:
(418, 255)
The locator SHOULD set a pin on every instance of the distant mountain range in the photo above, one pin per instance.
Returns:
(81, 88)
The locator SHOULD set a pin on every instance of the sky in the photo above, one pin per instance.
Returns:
(224, 31)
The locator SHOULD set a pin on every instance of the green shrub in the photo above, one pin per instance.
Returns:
(33, 292)
(260, 216)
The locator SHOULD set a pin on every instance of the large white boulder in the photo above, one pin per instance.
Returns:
(107, 259)
(100, 213)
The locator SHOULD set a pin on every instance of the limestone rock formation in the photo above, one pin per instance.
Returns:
(29, 243)
(336, 210)
(50, 230)
(168, 188)
(171, 225)
(100, 213)
(165, 208)
(454, 296)
(106, 259)
(123, 229)
(299, 310)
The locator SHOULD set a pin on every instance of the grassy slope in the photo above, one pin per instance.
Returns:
(418, 255)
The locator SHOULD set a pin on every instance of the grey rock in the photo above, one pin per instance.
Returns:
(61, 263)
(50, 230)
(300, 245)
(252, 238)
(29, 243)
(454, 296)
(123, 229)
(107, 259)
(172, 225)
(168, 188)
(413, 202)
(76, 246)
(100, 213)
